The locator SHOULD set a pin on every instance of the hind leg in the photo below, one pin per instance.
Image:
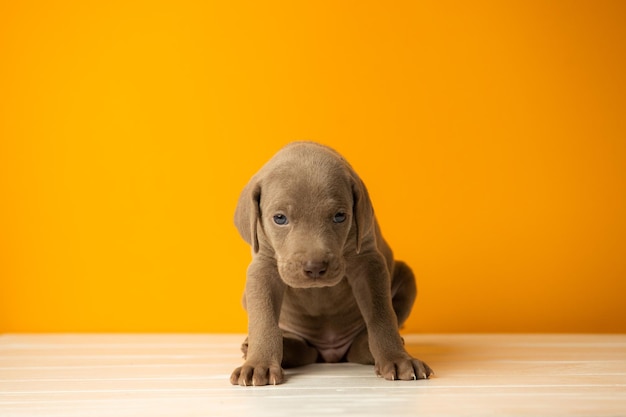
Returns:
(359, 351)
(296, 351)
(403, 291)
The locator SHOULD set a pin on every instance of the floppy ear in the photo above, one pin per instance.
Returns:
(362, 210)
(248, 212)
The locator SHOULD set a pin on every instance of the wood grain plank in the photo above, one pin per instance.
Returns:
(187, 375)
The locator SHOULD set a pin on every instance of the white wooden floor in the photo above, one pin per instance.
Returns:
(187, 375)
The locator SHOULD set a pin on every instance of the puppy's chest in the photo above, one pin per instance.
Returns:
(319, 302)
(322, 313)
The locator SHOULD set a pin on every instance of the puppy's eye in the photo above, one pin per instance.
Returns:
(339, 217)
(280, 219)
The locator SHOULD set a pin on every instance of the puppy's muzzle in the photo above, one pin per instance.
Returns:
(309, 270)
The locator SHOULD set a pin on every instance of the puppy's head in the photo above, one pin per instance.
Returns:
(306, 209)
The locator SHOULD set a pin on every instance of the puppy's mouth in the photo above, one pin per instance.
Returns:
(297, 275)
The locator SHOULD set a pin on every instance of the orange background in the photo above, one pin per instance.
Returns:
(491, 135)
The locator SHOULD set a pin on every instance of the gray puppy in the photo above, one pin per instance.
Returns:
(322, 285)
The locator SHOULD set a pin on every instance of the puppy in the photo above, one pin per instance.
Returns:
(322, 285)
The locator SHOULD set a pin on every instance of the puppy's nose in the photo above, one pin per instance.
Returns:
(315, 269)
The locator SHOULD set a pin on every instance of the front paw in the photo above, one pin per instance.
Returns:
(257, 375)
(404, 369)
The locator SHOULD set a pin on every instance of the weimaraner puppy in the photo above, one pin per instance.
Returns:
(322, 285)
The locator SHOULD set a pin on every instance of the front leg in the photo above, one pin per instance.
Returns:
(370, 282)
(263, 296)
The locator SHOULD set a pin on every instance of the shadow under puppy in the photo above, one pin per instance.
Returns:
(322, 285)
